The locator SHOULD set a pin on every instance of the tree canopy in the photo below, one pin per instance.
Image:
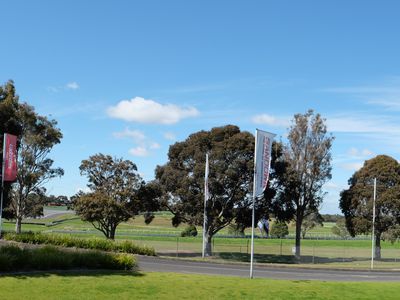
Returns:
(117, 194)
(231, 154)
(306, 164)
(356, 202)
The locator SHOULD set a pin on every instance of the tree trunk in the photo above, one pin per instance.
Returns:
(378, 246)
(18, 224)
(112, 233)
(208, 244)
(298, 236)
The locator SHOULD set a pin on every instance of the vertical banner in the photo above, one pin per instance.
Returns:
(10, 157)
(262, 160)
(262, 164)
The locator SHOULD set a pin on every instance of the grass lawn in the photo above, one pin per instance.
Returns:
(108, 285)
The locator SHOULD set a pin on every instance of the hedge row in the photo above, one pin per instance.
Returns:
(13, 258)
(71, 241)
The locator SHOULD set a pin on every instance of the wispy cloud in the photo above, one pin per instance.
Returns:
(266, 119)
(73, 85)
(385, 94)
(143, 145)
(170, 136)
(141, 110)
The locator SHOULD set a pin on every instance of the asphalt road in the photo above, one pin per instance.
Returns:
(155, 264)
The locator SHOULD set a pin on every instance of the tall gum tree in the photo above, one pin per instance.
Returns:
(307, 167)
(356, 202)
(231, 154)
(35, 168)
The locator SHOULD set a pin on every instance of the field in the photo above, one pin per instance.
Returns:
(122, 285)
(319, 249)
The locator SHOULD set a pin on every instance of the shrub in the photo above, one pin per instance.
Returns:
(279, 230)
(70, 241)
(13, 258)
(189, 231)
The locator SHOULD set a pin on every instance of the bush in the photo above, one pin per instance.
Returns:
(279, 230)
(70, 241)
(189, 231)
(12, 258)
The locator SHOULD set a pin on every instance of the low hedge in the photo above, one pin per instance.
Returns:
(13, 258)
(71, 241)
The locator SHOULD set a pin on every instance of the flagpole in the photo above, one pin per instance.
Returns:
(2, 183)
(373, 227)
(205, 205)
(252, 211)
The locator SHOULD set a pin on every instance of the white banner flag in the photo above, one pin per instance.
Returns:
(262, 160)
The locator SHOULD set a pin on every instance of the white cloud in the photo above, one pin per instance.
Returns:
(72, 86)
(68, 86)
(354, 166)
(385, 94)
(358, 153)
(137, 135)
(271, 120)
(144, 145)
(155, 146)
(139, 151)
(170, 136)
(148, 111)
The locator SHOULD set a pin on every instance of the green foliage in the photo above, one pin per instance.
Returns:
(307, 167)
(70, 241)
(312, 220)
(279, 230)
(118, 193)
(356, 202)
(230, 175)
(235, 230)
(189, 231)
(13, 258)
(340, 229)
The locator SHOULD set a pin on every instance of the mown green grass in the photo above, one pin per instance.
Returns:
(120, 285)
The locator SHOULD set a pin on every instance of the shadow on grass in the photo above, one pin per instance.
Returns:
(69, 273)
(290, 259)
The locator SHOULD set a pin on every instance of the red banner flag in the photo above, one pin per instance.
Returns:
(10, 157)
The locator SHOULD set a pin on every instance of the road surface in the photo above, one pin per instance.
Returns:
(156, 264)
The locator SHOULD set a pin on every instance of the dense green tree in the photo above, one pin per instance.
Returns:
(9, 123)
(356, 202)
(35, 168)
(279, 229)
(118, 193)
(231, 154)
(307, 167)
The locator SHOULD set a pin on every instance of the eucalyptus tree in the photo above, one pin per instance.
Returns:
(356, 202)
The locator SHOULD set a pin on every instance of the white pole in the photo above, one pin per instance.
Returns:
(205, 206)
(252, 211)
(2, 182)
(373, 227)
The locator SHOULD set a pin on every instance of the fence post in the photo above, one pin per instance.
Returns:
(281, 246)
(247, 250)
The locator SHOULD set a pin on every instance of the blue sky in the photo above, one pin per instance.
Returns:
(129, 78)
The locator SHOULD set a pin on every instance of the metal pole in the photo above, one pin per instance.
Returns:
(252, 211)
(205, 206)
(2, 184)
(373, 227)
